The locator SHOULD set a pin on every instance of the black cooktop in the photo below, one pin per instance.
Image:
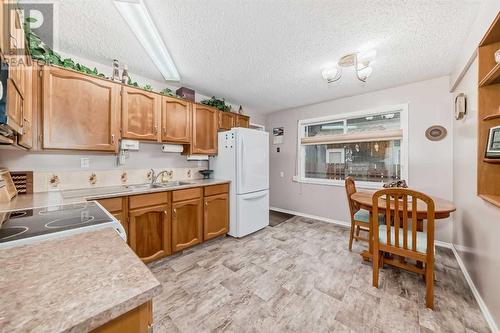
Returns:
(26, 223)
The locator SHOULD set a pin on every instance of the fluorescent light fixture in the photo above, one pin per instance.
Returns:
(137, 17)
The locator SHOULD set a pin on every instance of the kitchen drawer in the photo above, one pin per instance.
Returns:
(112, 205)
(146, 200)
(216, 189)
(187, 194)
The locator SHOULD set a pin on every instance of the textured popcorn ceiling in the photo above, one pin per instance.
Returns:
(268, 54)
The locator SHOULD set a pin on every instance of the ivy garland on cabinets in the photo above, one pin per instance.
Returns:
(39, 50)
(217, 103)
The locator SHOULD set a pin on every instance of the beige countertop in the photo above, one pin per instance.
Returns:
(71, 284)
(53, 198)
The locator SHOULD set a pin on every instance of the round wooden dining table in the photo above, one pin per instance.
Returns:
(442, 207)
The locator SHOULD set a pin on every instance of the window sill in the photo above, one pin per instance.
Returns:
(341, 183)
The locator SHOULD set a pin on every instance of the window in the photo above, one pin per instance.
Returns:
(368, 145)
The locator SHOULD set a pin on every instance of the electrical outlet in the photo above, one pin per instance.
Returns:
(84, 163)
(282, 174)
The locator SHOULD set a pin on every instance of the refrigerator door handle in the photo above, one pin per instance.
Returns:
(256, 196)
(242, 163)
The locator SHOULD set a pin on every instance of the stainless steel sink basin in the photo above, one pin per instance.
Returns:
(158, 185)
(95, 192)
(170, 184)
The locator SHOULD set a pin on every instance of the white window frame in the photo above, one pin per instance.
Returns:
(301, 130)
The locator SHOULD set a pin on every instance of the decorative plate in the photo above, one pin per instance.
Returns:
(436, 133)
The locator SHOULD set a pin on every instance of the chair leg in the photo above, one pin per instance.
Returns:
(351, 236)
(429, 284)
(358, 229)
(376, 262)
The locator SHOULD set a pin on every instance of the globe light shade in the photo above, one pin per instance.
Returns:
(330, 73)
(365, 72)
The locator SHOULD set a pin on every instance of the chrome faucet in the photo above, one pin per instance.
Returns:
(154, 177)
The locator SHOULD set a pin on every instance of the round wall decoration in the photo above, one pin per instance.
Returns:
(460, 106)
(436, 133)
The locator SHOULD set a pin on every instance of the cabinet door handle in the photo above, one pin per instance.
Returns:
(112, 138)
(206, 203)
(175, 212)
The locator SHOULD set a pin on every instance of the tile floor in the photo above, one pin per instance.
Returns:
(276, 218)
(300, 277)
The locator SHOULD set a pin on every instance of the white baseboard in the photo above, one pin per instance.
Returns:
(315, 217)
(484, 309)
(340, 223)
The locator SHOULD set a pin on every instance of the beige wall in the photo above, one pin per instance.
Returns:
(477, 223)
(430, 163)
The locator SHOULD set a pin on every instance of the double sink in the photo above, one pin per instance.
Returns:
(92, 192)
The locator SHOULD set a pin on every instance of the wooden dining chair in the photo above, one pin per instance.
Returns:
(400, 236)
(360, 218)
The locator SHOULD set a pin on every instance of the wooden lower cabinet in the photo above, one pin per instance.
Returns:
(187, 224)
(138, 320)
(118, 208)
(149, 225)
(216, 216)
(159, 224)
(150, 232)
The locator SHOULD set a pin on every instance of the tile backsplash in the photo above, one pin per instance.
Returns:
(44, 181)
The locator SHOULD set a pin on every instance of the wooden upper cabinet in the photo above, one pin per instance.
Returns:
(79, 111)
(187, 223)
(141, 111)
(242, 121)
(175, 120)
(216, 216)
(26, 138)
(11, 28)
(227, 120)
(205, 125)
(15, 106)
(17, 89)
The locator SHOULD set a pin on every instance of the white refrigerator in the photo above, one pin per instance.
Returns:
(243, 158)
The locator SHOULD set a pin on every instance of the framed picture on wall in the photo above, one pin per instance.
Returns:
(493, 146)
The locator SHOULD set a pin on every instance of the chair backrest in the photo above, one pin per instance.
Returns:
(399, 206)
(350, 189)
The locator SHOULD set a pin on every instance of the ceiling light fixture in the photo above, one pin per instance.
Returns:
(360, 62)
(137, 17)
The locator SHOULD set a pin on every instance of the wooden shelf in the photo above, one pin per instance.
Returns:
(493, 77)
(491, 160)
(492, 116)
(492, 199)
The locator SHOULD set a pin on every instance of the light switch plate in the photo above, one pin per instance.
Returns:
(84, 163)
